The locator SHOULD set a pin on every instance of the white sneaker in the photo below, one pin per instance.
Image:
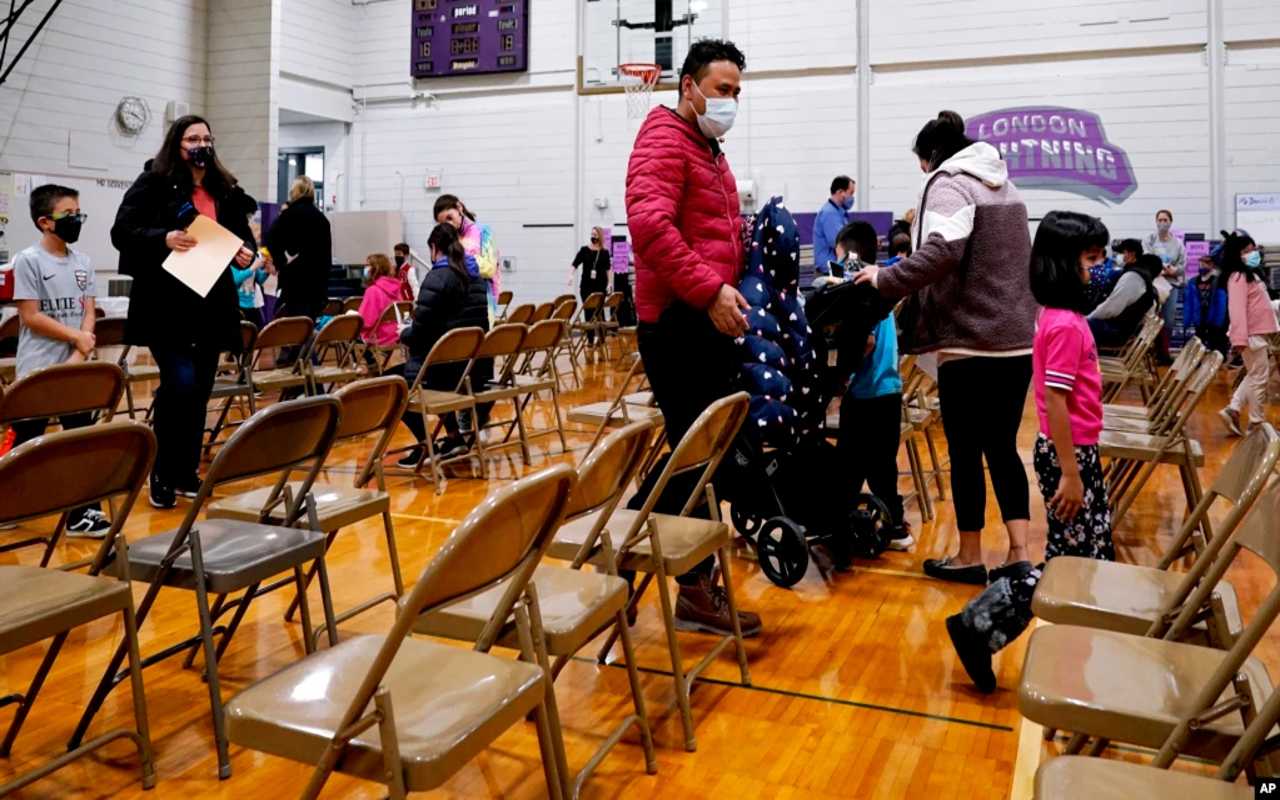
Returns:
(901, 539)
(1231, 418)
(93, 524)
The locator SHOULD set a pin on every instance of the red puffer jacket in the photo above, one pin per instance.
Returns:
(683, 215)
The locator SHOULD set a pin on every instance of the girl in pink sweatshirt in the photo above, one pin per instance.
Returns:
(1252, 319)
(383, 290)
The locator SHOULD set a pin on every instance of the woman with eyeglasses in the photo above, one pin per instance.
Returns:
(185, 331)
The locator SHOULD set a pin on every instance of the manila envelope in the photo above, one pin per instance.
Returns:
(201, 266)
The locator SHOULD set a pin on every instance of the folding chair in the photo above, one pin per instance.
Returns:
(1134, 456)
(374, 405)
(623, 409)
(338, 339)
(1160, 692)
(503, 342)
(396, 314)
(575, 605)
(336, 709)
(586, 324)
(88, 386)
(458, 346)
(352, 304)
(531, 377)
(222, 556)
(542, 312)
(1135, 365)
(1154, 415)
(55, 475)
(9, 331)
(1144, 600)
(280, 334)
(504, 303)
(232, 385)
(663, 545)
(565, 311)
(520, 315)
(333, 307)
(607, 322)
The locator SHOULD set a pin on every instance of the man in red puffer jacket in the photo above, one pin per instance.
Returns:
(684, 220)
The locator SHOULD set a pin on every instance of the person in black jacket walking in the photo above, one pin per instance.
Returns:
(185, 332)
(301, 247)
(450, 297)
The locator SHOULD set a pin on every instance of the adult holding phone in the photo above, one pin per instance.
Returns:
(185, 332)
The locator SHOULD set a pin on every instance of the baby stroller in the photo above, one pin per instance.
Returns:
(780, 477)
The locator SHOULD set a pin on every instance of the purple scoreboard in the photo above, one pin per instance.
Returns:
(469, 37)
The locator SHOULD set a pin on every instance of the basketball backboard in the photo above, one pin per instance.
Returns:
(628, 31)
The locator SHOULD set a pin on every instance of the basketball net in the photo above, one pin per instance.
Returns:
(638, 82)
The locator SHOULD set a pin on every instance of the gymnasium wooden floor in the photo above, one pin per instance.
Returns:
(857, 692)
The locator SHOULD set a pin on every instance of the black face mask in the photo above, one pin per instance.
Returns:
(399, 261)
(68, 228)
(201, 157)
(594, 240)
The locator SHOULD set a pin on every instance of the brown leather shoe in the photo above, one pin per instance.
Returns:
(705, 608)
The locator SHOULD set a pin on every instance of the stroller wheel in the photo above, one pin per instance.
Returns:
(868, 524)
(745, 522)
(782, 551)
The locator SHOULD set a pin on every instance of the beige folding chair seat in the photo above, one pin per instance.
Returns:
(457, 346)
(439, 402)
(1130, 689)
(277, 335)
(336, 506)
(450, 704)
(40, 603)
(685, 541)
(338, 337)
(1076, 777)
(607, 413)
(1145, 447)
(236, 554)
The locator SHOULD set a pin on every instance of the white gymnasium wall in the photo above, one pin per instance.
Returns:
(243, 89)
(315, 40)
(90, 55)
(334, 138)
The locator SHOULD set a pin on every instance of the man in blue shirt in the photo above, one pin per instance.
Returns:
(831, 218)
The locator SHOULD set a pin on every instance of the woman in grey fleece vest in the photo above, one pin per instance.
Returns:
(971, 304)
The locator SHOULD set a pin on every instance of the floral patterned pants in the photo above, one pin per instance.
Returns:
(1003, 611)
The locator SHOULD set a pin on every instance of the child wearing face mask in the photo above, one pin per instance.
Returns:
(1252, 320)
(1204, 307)
(54, 288)
(249, 283)
(384, 289)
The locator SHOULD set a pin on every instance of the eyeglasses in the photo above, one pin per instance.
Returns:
(78, 217)
(198, 140)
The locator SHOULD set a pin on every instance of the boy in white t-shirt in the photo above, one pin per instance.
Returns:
(54, 288)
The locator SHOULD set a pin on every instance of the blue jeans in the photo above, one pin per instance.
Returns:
(186, 381)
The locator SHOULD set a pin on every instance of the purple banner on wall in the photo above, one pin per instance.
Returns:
(469, 37)
(1058, 148)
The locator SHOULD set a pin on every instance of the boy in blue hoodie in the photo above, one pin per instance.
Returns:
(871, 411)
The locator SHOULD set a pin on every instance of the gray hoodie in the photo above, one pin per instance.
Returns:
(970, 276)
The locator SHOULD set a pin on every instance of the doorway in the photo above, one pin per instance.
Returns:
(294, 162)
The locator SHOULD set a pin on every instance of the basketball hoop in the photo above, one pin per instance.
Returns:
(638, 81)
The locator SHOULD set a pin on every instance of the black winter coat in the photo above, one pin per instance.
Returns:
(446, 301)
(162, 309)
(302, 233)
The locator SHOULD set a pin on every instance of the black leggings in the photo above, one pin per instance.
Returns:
(982, 400)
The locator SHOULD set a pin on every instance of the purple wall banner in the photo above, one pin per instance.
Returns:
(1051, 147)
(469, 37)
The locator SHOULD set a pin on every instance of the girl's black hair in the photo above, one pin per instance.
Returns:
(447, 201)
(1055, 258)
(941, 138)
(1233, 258)
(169, 162)
(444, 239)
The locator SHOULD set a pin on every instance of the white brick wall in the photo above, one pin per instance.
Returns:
(243, 77)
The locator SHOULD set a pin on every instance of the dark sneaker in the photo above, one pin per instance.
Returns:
(450, 446)
(705, 608)
(161, 495)
(89, 524)
(944, 569)
(188, 488)
(973, 653)
(411, 459)
(900, 537)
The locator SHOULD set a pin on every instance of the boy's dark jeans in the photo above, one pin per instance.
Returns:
(868, 443)
(182, 400)
(30, 429)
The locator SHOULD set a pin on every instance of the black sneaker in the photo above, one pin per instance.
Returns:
(161, 496)
(900, 537)
(973, 653)
(411, 459)
(188, 488)
(450, 446)
(89, 524)
(944, 570)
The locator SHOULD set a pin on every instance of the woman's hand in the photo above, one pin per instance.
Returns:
(727, 312)
(244, 258)
(868, 274)
(180, 241)
(1069, 499)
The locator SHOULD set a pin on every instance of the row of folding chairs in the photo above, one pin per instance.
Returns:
(487, 574)
(1149, 657)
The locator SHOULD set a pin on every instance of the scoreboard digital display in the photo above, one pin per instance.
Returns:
(469, 37)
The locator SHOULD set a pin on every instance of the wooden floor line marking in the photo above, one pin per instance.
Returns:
(817, 697)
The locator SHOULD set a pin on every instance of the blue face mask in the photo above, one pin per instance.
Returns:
(848, 203)
(1254, 259)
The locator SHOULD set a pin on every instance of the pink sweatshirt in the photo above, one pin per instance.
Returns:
(1250, 310)
(383, 292)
